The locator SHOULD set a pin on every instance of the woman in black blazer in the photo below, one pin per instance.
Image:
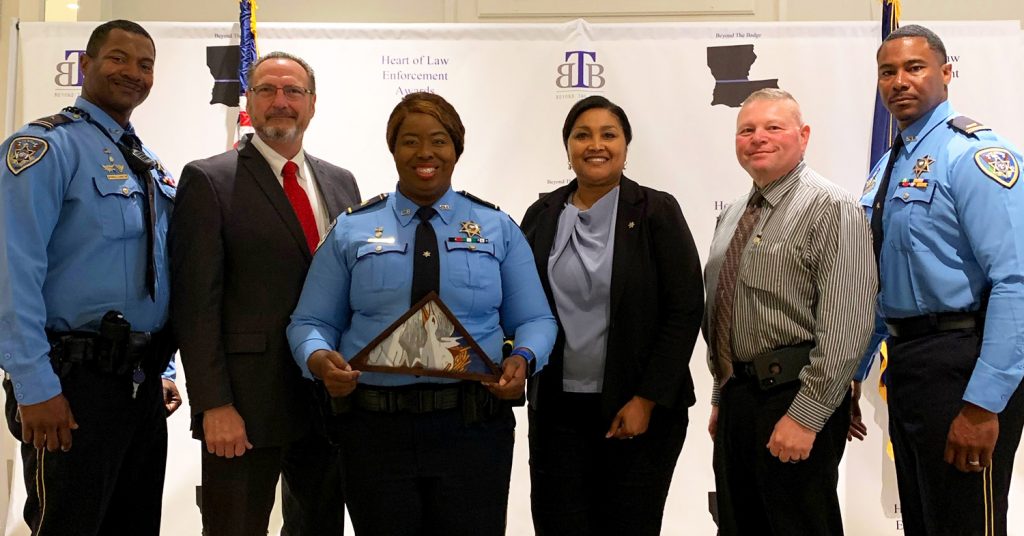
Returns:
(608, 415)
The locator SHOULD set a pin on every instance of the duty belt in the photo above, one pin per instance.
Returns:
(476, 402)
(918, 326)
(118, 357)
(416, 399)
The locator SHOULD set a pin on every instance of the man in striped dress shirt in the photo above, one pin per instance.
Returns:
(792, 281)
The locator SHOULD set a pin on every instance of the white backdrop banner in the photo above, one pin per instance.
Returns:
(679, 83)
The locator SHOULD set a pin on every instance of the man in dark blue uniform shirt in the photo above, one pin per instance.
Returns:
(947, 216)
(84, 294)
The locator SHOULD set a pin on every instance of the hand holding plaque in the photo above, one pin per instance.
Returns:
(331, 368)
(428, 340)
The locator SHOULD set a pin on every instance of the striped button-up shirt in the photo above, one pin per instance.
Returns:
(806, 274)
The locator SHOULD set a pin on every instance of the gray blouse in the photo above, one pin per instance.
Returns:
(580, 272)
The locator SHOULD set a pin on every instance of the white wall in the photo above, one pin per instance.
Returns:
(497, 11)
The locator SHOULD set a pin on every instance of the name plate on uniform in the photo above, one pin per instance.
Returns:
(427, 340)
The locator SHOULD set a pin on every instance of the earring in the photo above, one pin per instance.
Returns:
(623, 165)
(570, 165)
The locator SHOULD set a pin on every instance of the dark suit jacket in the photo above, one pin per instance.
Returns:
(657, 299)
(238, 262)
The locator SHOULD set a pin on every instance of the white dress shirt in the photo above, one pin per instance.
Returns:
(305, 178)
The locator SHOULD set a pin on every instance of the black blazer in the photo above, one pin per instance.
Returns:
(238, 262)
(657, 299)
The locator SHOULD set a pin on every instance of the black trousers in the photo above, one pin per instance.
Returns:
(927, 377)
(583, 484)
(111, 481)
(757, 494)
(425, 474)
(238, 493)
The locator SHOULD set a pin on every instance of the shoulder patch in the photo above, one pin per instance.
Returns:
(366, 204)
(999, 165)
(477, 200)
(52, 121)
(24, 152)
(965, 125)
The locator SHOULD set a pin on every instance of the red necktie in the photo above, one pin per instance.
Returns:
(300, 204)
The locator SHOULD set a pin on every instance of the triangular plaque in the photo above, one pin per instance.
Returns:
(428, 340)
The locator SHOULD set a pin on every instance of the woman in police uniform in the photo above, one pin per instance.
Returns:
(417, 459)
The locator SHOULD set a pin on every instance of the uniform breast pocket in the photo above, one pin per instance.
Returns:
(472, 265)
(120, 208)
(910, 218)
(384, 266)
(767, 266)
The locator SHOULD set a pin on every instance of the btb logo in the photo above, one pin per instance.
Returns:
(68, 72)
(580, 70)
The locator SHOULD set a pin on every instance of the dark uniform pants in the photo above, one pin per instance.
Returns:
(429, 473)
(585, 485)
(927, 377)
(238, 493)
(757, 494)
(111, 481)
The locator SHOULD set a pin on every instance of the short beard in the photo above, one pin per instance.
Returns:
(282, 134)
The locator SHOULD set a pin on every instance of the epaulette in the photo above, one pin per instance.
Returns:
(367, 204)
(477, 200)
(965, 125)
(52, 121)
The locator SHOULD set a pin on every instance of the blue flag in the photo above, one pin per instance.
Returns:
(884, 128)
(248, 54)
(883, 131)
(247, 45)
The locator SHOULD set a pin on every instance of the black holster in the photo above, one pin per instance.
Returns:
(115, 349)
(782, 365)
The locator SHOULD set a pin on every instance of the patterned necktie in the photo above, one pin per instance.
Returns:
(726, 290)
(300, 204)
(426, 267)
(878, 205)
(134, 145)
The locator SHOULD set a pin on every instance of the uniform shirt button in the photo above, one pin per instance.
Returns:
(906, 196)
(472, 248)
(17, 385)
(7, 355)
(378, 248)
(124, 190)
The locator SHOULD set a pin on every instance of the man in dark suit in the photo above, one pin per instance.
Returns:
(246, 225)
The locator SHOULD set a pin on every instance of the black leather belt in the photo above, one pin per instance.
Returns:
(744, 370)
(406, 399)
(917, 326)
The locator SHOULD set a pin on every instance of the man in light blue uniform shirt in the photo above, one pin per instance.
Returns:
(949, 231)
(84, 297)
